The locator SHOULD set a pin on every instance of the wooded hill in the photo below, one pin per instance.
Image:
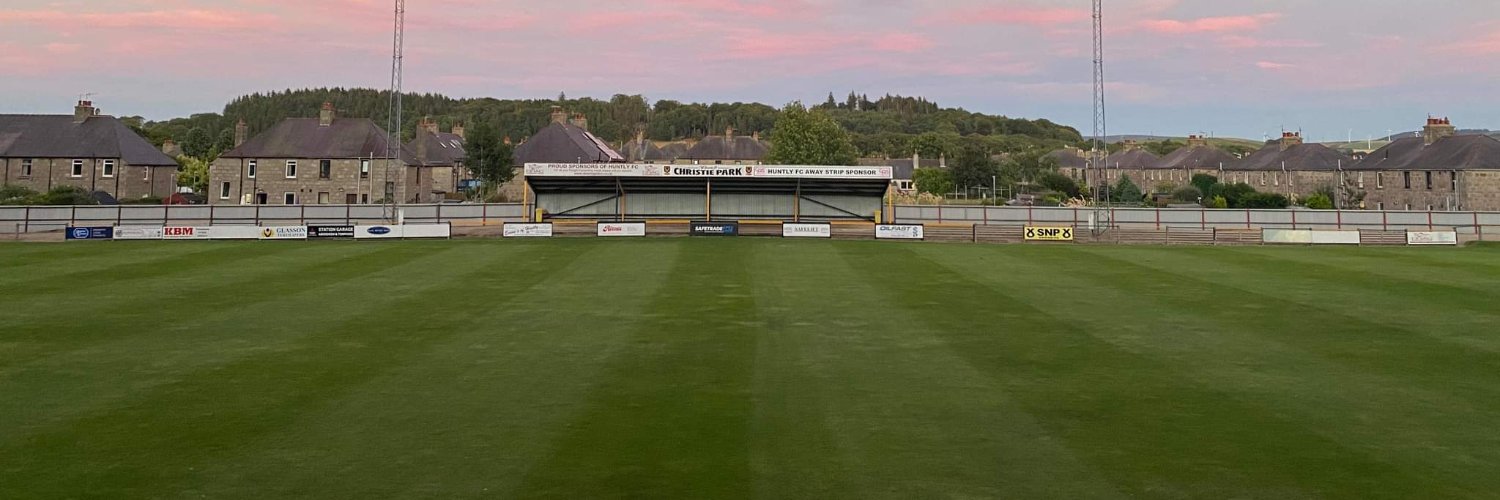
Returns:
(892, 126)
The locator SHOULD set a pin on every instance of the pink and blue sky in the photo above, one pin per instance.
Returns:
(1240, 68)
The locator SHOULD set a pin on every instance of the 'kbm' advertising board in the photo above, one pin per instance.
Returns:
(806, 230)
(185, 233)
(91, 233)
(900, 232)
(622, 229)
(527, 231)
(715, 229)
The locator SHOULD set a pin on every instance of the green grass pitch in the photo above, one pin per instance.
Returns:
(708, 368)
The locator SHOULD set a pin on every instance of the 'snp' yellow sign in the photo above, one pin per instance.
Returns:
(1049, 233)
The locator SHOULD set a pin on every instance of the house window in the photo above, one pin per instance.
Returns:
(1406, 179)
(146, 174)
(1429, 208)
(364, 198)
(322, 198)
(350, 199)
(1379, 180)
(364, 169)
(77, 169)
(1380, 206)
(1290, 179)
(1429, 180)
(1361, 180)
(291, 170)
(1276, 179)
(25, 168)
(1453, 180)
(325, 169)
(1262, 178)
(109, 168)
(224, 191)
(253, 167)
(289, 198)
(1408, 207)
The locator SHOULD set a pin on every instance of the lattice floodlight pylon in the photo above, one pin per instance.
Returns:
(1099, 152)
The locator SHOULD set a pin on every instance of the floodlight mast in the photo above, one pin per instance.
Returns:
(1099, 153)
(393, 123)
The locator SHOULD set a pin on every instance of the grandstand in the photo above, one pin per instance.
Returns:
(630, 191)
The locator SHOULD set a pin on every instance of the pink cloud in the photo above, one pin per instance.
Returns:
(1271, 66)
(1248, 42)
(186, 19)
(1010, 15)
(1482, 45)
(1209, 24)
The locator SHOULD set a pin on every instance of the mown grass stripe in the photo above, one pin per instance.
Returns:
(148, 448)
(1135, 419)
(1225, 350)
(670, 417)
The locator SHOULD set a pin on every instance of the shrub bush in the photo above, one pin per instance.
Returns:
(1319, 201)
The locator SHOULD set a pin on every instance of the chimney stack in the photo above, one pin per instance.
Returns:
(1437, 129)
(170, 148)
(558, 115)
(1196, 141)
(1130, 144)
(581, 121)
(729, 133)
(458, 130)
(755, 135)
(325, 117)
(430, 126)
(240, 132)
(1289, 139)
(83, 111)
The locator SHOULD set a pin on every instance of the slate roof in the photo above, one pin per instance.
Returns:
(1068, 158)
(1134, 159)
(1460, 152)
(901, 168)
(674, 150)
(1207, 157)
(345, 138)
(1300, 157)
(443, 149)
(58, 136)
(565, 143)
(738, 148)
(644, 150)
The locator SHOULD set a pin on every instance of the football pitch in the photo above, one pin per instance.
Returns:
(749, 368)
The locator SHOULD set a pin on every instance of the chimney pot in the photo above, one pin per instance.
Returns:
(240, 132)
(1437, 129)
(83, 111)
(558, 115)
(458, 130)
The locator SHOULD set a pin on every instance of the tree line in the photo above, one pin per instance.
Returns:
(892, 126)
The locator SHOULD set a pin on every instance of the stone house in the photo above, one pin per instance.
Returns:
(441, 156)
(904, 170)
(324, 160)
(1437, 171)
(86, 149)
(566, 139)
(1198, 157)
(728, 149)
(1288, 167)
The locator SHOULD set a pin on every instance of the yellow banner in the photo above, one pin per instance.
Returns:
(1037, 233)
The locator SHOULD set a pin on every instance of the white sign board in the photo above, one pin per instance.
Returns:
(283, 233)
(1335, 237)
(1431, 238)
(186, 233)
(231, 232)
(807, 230)
(622, 229)
(899, 232)
(138, 232)
(810, 172)
(1287, 236)
(528, 230)
(426, 231)
(377, 232)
